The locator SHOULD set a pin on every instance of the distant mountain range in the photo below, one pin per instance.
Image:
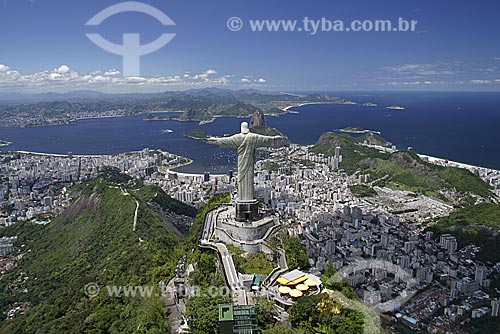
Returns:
(196, 104)
(242, 94)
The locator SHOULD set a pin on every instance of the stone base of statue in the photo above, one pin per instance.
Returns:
(247, 211)
(249, 235)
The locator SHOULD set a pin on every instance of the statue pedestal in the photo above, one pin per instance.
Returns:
(251, 236)
(247, 211)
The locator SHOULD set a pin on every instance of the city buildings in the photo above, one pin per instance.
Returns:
(314, 202)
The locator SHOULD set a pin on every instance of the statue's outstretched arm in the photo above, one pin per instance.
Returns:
(213, 140)
(267, 140)
(224, 141)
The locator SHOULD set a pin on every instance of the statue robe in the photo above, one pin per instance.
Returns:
(246, 144)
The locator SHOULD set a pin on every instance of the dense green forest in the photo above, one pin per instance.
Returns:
(362, 190)
(93, 242)
(478, 224)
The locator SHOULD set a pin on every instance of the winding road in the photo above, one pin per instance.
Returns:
(135, 214)
(232, 279)
(126, 193)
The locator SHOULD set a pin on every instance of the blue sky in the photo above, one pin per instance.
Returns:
(43, 46)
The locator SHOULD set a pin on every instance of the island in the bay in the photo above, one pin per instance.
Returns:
(197, 134)
(354, 129)
(358, 130)
(396, 107)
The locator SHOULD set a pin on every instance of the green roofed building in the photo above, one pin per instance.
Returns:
(226, 319)
(235, 319)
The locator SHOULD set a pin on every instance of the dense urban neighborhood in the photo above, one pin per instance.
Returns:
(341, 219)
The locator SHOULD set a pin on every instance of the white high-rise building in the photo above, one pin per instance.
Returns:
(495, 307)
(481, 273)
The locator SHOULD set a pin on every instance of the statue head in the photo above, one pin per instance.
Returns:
(244, 128)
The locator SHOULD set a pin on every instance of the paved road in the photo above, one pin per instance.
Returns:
(282, 259)
(126, 193)
(209, 227)
(237, 289)
(135, 214)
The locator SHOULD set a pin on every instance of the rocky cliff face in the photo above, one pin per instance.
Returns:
(192, 114)
(258, 120)
(258, 124)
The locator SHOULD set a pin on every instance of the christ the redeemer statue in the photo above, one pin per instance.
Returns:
(245, 143)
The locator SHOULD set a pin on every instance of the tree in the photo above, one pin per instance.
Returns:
(279, 329)
(203, 313)
(322, 314)
(265, 310)
(296, 255)
(303, 311)
(151, 317)
(329, 273)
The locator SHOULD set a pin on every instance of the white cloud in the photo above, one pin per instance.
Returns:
(440, 73)
(420, 83)
(205, 75)
(62, 69)
(496, 58)
(63, 78)
(402, 83)
(112, 72)
(439, 68)
(484, 81)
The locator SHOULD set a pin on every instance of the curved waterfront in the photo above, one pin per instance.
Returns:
(457, 126)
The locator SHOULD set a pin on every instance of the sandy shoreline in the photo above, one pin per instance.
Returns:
(312, 103)
(94, 117)
(451, 163)
(302, 104)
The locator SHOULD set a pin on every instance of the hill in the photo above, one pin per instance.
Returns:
(197, 134)
(402, 169)
(93, 241)
(479, 224)
(268, 131)
(204, 109)
(352, 152)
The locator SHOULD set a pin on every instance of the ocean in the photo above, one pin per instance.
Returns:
(459, 126)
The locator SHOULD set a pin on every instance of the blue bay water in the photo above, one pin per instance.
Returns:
(461, 126)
